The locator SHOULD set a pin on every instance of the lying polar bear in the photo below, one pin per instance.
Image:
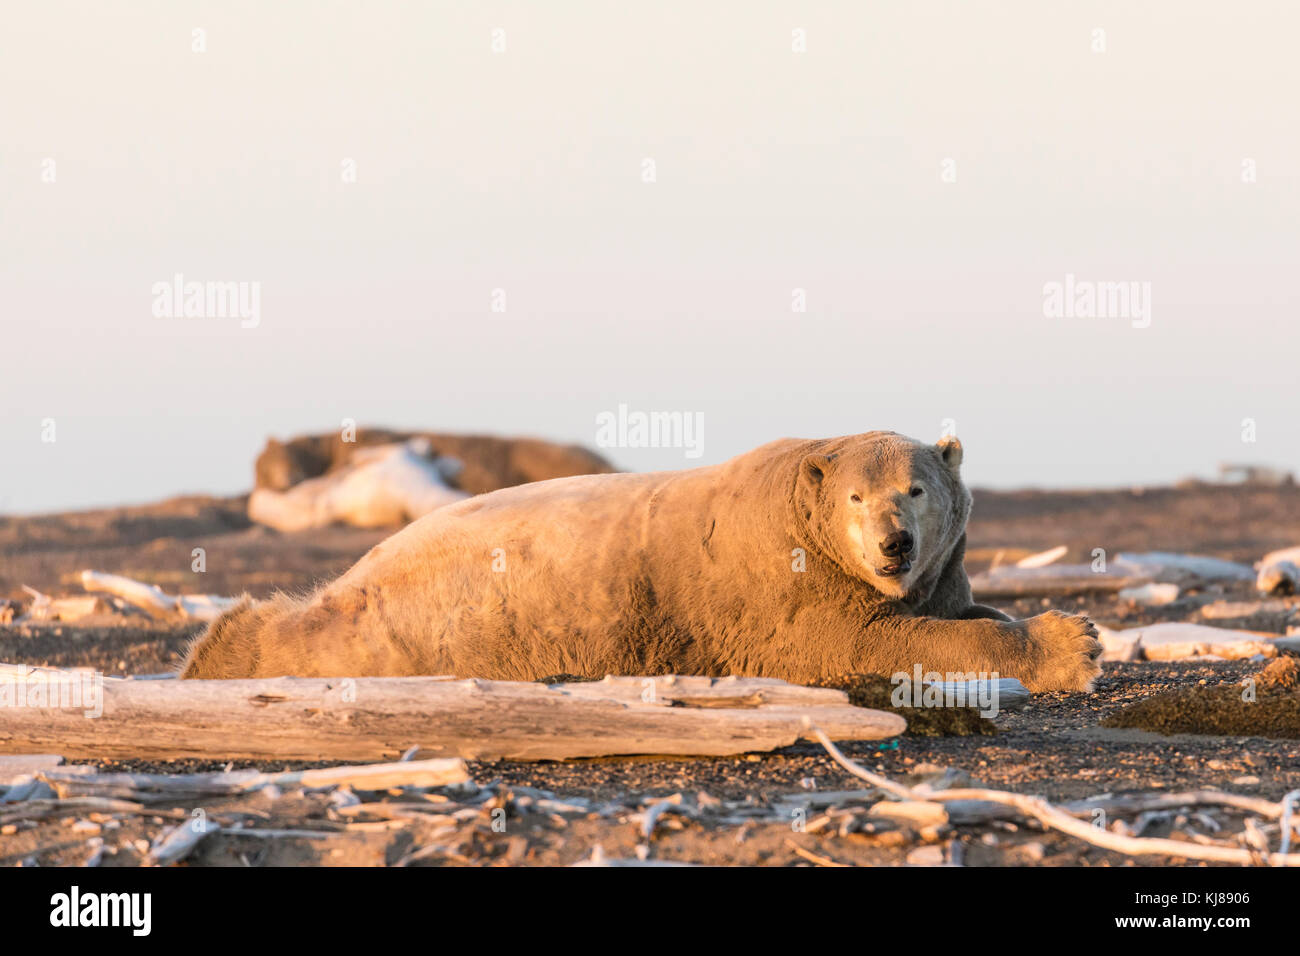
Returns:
(797, 560)
(381, 486)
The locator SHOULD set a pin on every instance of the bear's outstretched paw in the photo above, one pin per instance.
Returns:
(1068, 652)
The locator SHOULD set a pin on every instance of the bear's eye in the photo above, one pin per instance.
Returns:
(917, 491)
(855, 498)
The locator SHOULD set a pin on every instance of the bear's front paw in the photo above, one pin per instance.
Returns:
(1068, 652)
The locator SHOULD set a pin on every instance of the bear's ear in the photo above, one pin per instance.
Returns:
(813, 469)
(949, 449)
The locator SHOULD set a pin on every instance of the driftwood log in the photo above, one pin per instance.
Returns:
(1051, 580)
(81, 715)
(79, 781)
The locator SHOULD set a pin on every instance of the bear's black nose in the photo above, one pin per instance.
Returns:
(897, 544)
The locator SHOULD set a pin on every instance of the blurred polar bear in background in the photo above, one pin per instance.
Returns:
(381, 486)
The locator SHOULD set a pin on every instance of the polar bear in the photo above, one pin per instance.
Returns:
(381, 485)
(800, 559)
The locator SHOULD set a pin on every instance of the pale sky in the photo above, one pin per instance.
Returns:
(523, 170)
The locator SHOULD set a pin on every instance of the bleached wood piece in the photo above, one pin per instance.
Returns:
(1143, 802)
(46, 608)
(380, 717)
(1177, 640)
(1279, 571)
(1120, 645)
(1238, 610)
(176, 844)
(156, 601)
(1054, 579)
(918, 813)
(150, 597)
(1151, 595)
(66, 609)
(1043, 558)
(1008, 692)
(1171, 566)
(144, 787)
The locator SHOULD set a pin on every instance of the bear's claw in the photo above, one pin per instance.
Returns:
(1068, 652)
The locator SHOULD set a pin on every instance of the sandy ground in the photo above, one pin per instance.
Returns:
(1054, 747)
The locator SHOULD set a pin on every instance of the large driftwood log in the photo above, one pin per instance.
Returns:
(380, 717)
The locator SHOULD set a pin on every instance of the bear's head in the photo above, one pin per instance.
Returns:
(887, 509)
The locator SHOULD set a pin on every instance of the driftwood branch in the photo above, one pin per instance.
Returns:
(1039, 809)
(146, 787)
(84, 715)
(156, 601)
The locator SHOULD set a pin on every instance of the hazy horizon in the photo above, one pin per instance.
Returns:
(378, 171)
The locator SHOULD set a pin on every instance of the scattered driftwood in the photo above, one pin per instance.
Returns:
(148, 597)
(369, 718)
(1146, 802)
(66, 609)
(24, 765)
(1174, 640)
(146, 787)
(1037, 808)
(1146, 577)
(1169, 566)
(1011, 581)
(35, 809)
(459, 823)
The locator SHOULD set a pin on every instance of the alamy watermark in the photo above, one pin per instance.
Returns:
(129, 910)
(924, 688)
(636, 429)
(74, 690)
(179, 299)
(1086, 299)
